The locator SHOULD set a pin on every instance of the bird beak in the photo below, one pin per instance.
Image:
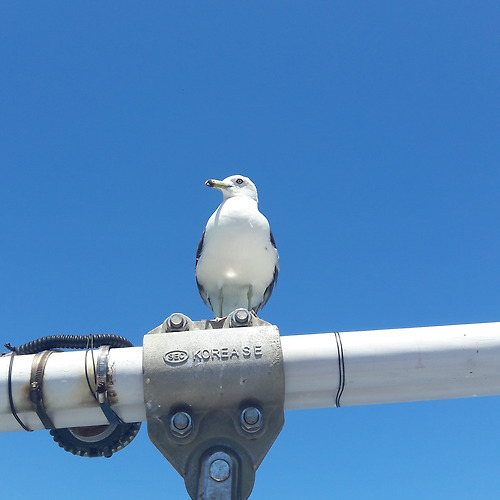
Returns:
(213, 183)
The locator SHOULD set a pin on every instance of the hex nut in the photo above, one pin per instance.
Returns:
(181, 424)
(241, 317)
(251, 419)
(176, 322)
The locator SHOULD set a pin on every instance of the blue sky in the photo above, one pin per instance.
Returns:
(371, 131)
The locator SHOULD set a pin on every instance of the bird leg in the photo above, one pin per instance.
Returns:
(249, 297)
(221, 299)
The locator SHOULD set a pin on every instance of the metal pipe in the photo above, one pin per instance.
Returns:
(379, 366)
(67, 396)
(390, 366)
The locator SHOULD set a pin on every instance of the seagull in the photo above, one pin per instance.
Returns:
(237, 259)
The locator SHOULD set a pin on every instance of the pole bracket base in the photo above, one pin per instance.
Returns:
(214, 402)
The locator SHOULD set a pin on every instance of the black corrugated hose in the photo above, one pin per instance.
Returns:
(70, 342)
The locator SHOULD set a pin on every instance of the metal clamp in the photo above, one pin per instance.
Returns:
(214, 403)
(102, 386)
(36, 387)
(219, 476)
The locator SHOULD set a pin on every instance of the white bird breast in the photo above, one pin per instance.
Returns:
(237, 250)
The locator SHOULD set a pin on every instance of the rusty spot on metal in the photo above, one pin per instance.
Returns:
(110, 376)
(25, 391)
(25, 404)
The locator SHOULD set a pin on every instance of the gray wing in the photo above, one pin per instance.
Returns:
(199, 250)
(269, 290)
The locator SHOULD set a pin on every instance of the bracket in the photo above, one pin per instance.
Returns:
(214, 397)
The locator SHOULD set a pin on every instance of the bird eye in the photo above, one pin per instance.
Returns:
(239, 181)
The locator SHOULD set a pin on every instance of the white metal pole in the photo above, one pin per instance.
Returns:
(66, 394)
(389, 366)
(379, 366)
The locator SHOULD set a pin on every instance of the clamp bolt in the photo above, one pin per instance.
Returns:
(251, 419)
(176, 322)
(241, 317)
(181, 424)
(219, 470)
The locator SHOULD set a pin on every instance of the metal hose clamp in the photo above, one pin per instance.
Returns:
(102, 386)
(36, 387)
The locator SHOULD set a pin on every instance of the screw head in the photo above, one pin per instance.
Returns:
(181, 424)
(241, 317)
(219, 470)
(251, 419)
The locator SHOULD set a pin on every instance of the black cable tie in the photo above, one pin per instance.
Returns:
(9, 347)
(340, 354)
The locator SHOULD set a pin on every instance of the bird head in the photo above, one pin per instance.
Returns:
(234, 185)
